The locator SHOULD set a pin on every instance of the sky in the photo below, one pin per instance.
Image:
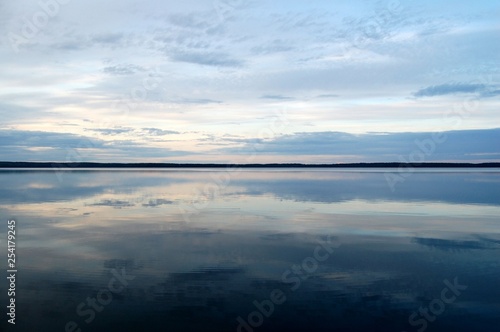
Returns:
(249, 81)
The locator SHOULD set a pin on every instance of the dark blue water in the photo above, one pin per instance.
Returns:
(252, 250)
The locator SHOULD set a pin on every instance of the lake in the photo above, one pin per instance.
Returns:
(253, 250)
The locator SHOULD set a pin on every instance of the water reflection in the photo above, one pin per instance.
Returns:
(394, 249)
(455, 245)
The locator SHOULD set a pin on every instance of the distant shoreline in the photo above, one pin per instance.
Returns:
(62, 166)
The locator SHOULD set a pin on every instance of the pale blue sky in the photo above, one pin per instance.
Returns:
(248, 81)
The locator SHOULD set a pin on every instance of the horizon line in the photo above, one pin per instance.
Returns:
(62, 165)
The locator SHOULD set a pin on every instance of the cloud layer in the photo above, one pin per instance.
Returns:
(305, 147)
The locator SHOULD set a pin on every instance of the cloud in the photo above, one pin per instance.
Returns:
(276, 97)
(42, 139)
(208, 58)
(491, 93)
(71, 45)
(463, 145)
(157, 202)
(158, 132)
(196, 20)
(123, 69)
(452, 88)
(11, 113)
(21, 145)
(81, 42)
(112, 131)
(197, 101)
(107, 38)
(117, 204)
(384, 147)
(327, 96)
(275, 46)
(134, 131)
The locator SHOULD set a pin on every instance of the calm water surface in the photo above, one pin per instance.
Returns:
(253, 250)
